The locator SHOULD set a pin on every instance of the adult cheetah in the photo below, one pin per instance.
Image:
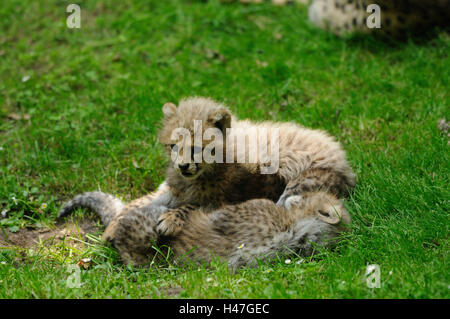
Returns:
(397, 17)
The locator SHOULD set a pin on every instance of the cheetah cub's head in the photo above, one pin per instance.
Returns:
(194, 135)
(322, 205)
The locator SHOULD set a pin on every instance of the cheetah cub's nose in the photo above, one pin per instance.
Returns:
(183, 167)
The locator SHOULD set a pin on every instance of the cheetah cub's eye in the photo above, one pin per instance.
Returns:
(172, 146)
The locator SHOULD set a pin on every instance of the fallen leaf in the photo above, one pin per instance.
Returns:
(278, 36)
(263, 64)
(85, 263)
(214, 54)
(135, 164)
(18, 117)
(14, 116)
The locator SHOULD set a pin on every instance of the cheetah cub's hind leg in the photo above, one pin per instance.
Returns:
(320, 218)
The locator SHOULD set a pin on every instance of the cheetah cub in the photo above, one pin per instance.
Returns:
(308, 160)
(240, 234)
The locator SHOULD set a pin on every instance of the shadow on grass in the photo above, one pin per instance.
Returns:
(377, 44)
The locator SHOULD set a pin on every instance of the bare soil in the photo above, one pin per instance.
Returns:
(27, 238)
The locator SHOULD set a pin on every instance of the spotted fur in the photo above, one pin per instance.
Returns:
(311, 158)
(239, 234)
(398, 17)
(224, 200)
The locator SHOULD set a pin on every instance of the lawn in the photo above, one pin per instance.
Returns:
(80, 109)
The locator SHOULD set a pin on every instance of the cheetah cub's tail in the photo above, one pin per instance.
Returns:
(106, 206)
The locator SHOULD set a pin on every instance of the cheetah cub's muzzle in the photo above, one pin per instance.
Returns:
(189, 169)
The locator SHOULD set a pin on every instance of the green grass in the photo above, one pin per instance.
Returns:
(94, 97)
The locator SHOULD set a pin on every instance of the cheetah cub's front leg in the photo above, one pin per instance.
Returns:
(171, 223)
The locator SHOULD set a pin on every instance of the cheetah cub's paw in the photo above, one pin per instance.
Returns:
(286, 197)
(169, 224)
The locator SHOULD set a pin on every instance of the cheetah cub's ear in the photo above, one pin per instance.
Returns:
(221, 119)
(169, 109)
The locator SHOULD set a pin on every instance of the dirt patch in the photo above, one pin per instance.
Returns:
(68, 231)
